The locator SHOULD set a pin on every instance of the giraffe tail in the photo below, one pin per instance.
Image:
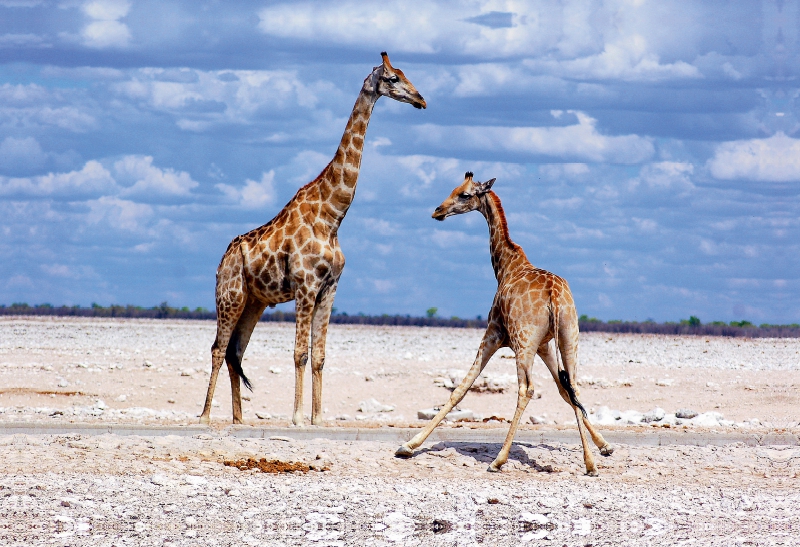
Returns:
(563, 375)
(232, 358)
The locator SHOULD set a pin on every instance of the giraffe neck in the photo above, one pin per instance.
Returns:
(507, 256)
(338, 188)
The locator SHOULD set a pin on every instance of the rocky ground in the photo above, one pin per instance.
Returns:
(195, 487)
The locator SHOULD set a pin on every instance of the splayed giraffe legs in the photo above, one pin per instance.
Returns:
(492, 340)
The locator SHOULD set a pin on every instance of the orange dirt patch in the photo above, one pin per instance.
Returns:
(270, 466)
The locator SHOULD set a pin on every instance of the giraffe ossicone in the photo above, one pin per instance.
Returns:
(296, 256)
(531, 307)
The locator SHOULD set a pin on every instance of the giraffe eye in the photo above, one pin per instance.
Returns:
(393, 79)
(464, 196)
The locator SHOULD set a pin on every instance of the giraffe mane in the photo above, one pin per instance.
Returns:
(502, 216)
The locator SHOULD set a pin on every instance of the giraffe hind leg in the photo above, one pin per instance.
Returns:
(548, 356)
(232, 357)
(235, 351)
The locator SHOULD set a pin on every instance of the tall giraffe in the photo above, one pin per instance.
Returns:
(531, 307)
(296, 256)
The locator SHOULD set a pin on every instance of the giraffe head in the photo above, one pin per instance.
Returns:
(391, 82)
(465, 198)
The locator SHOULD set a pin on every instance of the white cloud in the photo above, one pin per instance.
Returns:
(254, 194)
(106, 10)
(666, 175)
(92, 179)
(105, 30)
(628, 59)
(203, 98)
(595, 40)
(428, 168)
(580, 141)
(119, 214)
(150, 180)
(775, 159)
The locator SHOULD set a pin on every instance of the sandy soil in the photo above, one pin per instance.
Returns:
(176, 490)
(163, 366)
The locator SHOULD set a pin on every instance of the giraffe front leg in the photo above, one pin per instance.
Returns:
(524, 394)
(319, 333)
(304, 308)
(217, 357)
(490, 343)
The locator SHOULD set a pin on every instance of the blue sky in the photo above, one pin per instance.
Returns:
(646, 151)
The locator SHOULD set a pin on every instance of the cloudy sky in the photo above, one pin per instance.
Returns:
(647, 151)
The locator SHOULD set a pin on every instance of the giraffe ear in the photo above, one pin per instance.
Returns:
(386, 62)
(484, 187)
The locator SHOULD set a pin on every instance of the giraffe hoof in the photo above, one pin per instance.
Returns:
(493, 468)
(607, 450)
(205, 420)
(592, 473)
(404, 452)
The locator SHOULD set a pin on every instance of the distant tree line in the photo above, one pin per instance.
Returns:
(693, 325)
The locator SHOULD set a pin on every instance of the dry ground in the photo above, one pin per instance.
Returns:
(61, 363)
(78, 489)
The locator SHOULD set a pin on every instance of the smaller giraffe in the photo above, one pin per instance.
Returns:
(531, 307)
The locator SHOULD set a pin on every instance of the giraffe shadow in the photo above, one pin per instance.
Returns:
(487, 452)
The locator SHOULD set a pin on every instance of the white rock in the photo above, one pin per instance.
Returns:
(121, 398)
(372, 405)
(275, 370)
(706, 419)
(665, 382)
(655, 415)
(605, 416)
(452, 416)
(187, 372)
(631, 417)
(263, 415)
(63, 383)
